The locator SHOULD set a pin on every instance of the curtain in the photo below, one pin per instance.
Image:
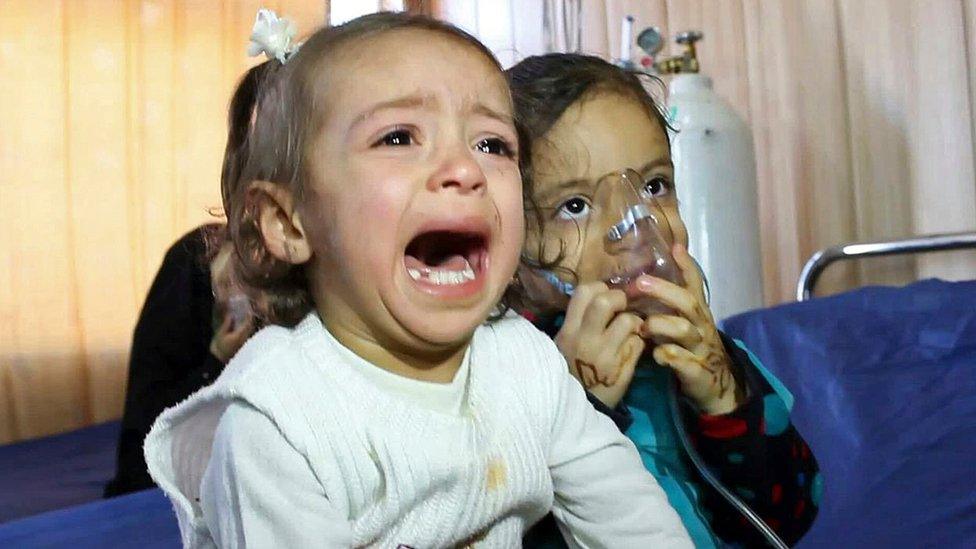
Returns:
(861, 112)
(562, 28)
(112, 128)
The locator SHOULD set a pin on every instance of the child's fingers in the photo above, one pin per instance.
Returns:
(670, 328)
(629, 355)
(602, 309)
(578, 304)
(613, 345)
(689, 270)
(631, 351)
(679, 359)
(674, 296)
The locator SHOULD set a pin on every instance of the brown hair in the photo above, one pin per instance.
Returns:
(273, 114)
(544, 86)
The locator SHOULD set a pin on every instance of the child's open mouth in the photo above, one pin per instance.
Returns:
(448, 262)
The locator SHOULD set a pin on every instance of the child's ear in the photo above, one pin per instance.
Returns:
(279, 222)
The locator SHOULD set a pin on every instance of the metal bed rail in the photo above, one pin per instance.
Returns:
(819, 261)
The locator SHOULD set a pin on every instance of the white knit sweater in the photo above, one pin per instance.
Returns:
(294, 447)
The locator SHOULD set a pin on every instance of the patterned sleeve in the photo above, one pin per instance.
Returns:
(757, 453)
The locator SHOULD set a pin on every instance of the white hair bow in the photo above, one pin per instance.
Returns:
(272, 36)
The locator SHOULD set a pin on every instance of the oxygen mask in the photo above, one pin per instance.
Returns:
(613, 232)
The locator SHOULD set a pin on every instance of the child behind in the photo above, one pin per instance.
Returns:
(376, 215)
(586, 119)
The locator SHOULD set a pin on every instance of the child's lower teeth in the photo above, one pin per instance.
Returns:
(451, 278)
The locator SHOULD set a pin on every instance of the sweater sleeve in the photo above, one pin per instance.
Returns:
(759, 455)
(259, 491)
(603, 495)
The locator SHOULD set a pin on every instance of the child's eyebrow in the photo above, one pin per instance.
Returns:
(405, 102)
(561, 187)
(569, 184)
(428, 102)
(657, 163)
(485, 110)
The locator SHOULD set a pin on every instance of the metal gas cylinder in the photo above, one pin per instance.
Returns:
(715, 175)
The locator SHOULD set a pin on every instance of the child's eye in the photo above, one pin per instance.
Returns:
(656, 186)
(574, 208)
(395, 138)
(494, 145)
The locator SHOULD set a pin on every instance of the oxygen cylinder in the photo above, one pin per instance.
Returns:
(715, 174)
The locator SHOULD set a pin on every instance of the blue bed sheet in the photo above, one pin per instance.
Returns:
(55, 472)
(885, 387)
(143, 519)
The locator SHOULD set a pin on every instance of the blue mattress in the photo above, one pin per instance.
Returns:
(143, 519)
(57, 471)
(885, 386)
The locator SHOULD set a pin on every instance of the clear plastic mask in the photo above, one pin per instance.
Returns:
(616, 234)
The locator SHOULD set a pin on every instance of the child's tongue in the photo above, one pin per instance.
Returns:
(450, 263)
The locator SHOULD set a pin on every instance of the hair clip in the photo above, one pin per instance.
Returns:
(272, 36)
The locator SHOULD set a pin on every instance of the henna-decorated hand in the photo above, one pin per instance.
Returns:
(688, 341)
(600, 341)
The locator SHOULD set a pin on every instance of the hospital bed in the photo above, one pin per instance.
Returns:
(884, 381)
